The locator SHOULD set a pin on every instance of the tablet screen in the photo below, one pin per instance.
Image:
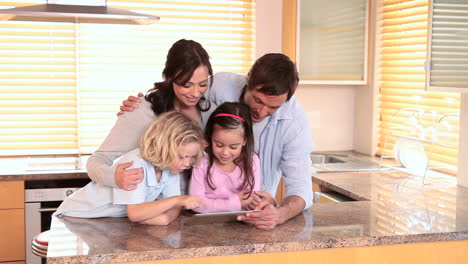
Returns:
(219, 217)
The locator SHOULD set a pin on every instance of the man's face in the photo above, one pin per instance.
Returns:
(263, 105)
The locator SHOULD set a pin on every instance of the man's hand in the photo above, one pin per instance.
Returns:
(271, 216)
(127, 179)
(130, 104)
(267, 219)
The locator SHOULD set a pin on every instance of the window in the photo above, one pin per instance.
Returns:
(402, 76)
(61, 83)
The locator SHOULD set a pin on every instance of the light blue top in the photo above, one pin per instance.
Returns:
(124, 137)
(98, 200)
(285, 142)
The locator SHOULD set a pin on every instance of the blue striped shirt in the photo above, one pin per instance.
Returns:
(285, 142)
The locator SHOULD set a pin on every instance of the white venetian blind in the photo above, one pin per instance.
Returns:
(332, 40)
(402, 79)
(449, 37)
(61, 83)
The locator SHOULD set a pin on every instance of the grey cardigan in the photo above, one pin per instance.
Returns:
(124, 137)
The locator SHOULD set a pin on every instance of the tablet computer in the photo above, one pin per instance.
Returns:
(219, 217)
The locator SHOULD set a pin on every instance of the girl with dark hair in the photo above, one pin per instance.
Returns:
(230, 172)
(186, 77)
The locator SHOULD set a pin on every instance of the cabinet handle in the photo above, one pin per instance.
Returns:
(47, 209)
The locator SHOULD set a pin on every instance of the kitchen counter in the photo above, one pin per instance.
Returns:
(43, 168)
(351, 224)
(396, 209)
(17, 175)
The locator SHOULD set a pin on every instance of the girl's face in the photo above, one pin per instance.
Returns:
(227, 144)
(187, 156)
(189, 94)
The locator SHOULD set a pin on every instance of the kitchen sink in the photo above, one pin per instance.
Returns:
(320, 159)
(341, 163)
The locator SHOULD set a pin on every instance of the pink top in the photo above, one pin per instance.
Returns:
(224, 197)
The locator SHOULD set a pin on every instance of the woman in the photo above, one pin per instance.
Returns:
(185, 80)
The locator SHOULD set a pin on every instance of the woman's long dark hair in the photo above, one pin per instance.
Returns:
(183, 58)
(226, 122)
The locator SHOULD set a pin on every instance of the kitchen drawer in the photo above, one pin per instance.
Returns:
(12, 238)
(11, 194)
(330, 197)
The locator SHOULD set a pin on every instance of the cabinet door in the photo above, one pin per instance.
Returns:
(12, 239)
(447, 65)
(11, 194)
(332, 41)
(12, 221)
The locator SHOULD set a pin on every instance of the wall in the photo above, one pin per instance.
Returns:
(330, 108)
(268, 26)
(331, 115)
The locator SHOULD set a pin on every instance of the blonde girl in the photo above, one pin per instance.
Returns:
(170, 146)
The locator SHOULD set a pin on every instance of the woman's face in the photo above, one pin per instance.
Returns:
(188, 154)
(190, 93)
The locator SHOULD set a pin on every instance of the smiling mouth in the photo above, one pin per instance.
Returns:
(192, 100)
(255, 116)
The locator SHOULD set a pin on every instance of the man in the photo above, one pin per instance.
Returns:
(281, 131)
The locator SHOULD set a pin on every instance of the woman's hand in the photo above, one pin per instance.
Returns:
(191, 201)
(130, 104)
(128, 179)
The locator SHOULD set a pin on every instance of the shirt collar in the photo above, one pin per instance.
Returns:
(152, 181)
(284, 112)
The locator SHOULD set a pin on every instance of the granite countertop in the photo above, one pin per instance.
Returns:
(42, 175)
(396, 208)
(349, 224)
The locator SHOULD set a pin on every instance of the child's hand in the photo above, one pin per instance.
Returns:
(247, 203)
(190, 201)
(265, 196)
(255, 199)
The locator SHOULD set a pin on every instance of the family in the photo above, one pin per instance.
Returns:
(206, 142)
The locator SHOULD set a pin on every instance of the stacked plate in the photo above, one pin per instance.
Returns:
(40, 243)
(410, 154)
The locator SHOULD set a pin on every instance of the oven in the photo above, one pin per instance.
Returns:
(42, 198)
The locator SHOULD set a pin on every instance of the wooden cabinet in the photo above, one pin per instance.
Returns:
(327, 39)
(447, 59)
(280, 191)
(323, 194)
(12, 225)
(11, 194)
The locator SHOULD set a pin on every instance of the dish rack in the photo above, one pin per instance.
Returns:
(414, 134)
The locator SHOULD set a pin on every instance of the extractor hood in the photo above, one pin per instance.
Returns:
(76, 11)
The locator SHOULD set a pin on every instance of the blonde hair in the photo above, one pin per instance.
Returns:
(162, 142)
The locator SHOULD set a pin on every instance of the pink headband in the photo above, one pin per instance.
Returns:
(231, 115)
